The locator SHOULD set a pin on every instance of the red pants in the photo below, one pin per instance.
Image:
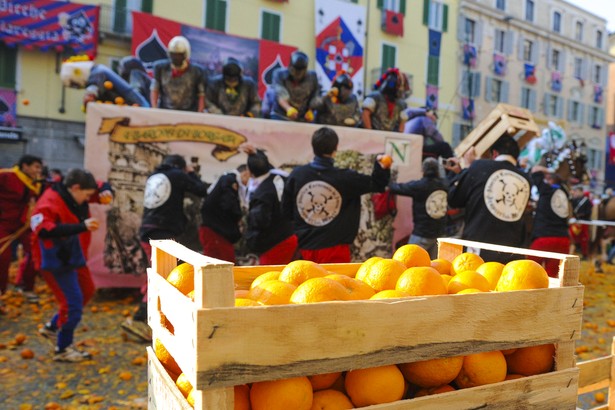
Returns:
(580, 234)
(334, 254)
(550, 244)
(281, 254)
(5, 257)
(26, 272)
(215, 245)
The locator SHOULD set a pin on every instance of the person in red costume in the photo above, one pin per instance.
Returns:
(19, 187)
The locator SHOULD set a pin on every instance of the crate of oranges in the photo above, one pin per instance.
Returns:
(408, 332)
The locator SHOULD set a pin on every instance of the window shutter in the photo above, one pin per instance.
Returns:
(520, 44)
(504, 92)
(426, 12)
(488, 89)
(475, 85)
(545, 104)
(590, 74)
(147, 6)
(380, 4)
(560, 107)
(456, 134)
(119, 18)
(584, 69)
(562, 61)
(569, 115)
(600, 120)
(508, 46)
(535, 52)
(590, 110)
(548, 57)
(8, 66)
(581, 114)
(465, 75)
(388, 57)
(532, 102)
(478, 36)
(402, 7)
(445, 18)
(461, 29)
(605, 75)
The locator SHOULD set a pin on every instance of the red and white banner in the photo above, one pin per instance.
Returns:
(124, 145)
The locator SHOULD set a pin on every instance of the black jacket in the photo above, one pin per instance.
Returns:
(221, 209)
(324, 202)
(552, 209)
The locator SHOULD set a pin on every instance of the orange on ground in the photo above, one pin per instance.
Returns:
(331, 400)
(491, 271)
(376, 385)
(434, 390)
(357, 290)
(319, 290)
(465, 261)
(165, 358)
(294, 393)
(469, 290)
(272, 292)
(299, 271)
(26, 354)
(264, 277)
(420, 281)
(532, 360)
(481, 368)
(324, 381)
(466, 280)
(412, 255)
(245, 302)
(183, 384)
(442, 265)
(389, 294)
(433, 372)
(384, 274)
(365, 267)
(182, 277)
(242, 397)
(522, 274)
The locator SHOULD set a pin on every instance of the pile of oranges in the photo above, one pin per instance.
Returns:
(410, 272)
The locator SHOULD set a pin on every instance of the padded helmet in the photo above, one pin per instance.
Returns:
(180, 44)
(299, 60)
(232, 68)
(342, 80)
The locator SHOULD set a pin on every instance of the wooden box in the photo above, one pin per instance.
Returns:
(219, 346)
(503, 120)
(597, 374)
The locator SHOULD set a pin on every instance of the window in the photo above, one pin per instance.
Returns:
(122, 12)
(599, 39)
(528, 50)
(460, 131)
(555, 59)
(578, 68)
(596, 117)
(557, 21)
(398, 6)
(594, 158)
(578, 31)
(435, 15)
(529, 10)
(433, 70)
(470, 84)
(496, 90)
(597, 74)
(500, 5)
(470, 31)
(575, 111)
(215, 15)
(8, 66)
(553, 105)
(500, 41)
(528, 98)
(389, 56)
(270, 26)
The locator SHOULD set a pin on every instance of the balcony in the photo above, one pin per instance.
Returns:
(115, 21)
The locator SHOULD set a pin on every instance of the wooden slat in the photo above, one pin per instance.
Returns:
(239, 345)
(162, 392)
(611, 402)
(594, 371)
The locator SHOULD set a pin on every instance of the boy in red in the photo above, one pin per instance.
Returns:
(62, 224)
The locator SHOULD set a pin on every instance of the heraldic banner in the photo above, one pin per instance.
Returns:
(340, 42)
(259, 58)
(125, 144)
(47, 24)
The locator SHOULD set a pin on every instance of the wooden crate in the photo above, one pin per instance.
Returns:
(219, 346)
(597, 374)
(503, 120)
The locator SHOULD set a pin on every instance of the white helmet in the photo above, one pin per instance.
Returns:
(180, 44)
(75, 73)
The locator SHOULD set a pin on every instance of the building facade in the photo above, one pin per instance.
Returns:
(548, 56)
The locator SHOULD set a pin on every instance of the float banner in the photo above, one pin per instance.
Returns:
(340, 41)
(209, 48)
(125, 144)
(46, 24)
(8, 108)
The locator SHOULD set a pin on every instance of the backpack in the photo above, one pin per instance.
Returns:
(384, 204)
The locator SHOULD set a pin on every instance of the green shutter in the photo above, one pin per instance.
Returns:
(147, 6)
(8, 66)
(402, 7)
(119, 20)
(388, 56)
(445, 19)
(426, 12)
(354, 1)
(270, 29)
(216, 15)
(433, 68)
(380, 4)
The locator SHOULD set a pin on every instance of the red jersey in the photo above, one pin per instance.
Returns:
(16, 191)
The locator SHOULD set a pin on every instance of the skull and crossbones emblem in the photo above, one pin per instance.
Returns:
(318, 203)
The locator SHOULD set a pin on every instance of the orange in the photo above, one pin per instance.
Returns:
(242, 397)
(299, 271)
(241, 293)
(466, 280)
(294, 393)
(25, 101)
(433, 372)
(331, 400)
(481, 368)
(365, 267)
(465, 261)
(357, 290)
(245, 302)
(383, 274)
(514, 376)
(442, 265)
(119, 100)
(386, 161)
(491, 271)
(412, 255)
(420, 281)
(389, 294)
(319, 290)
(264, 277)
(522, 274)
(26, 354)
(108, 85)
(533, 360)
(446, 279)
(506, 352)
(324, 381)
(182, 277)
(376, 385)
(165, 358)
(272, 292)
(191, 295)
(434, 390)
(183, 384)
(469, 290)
